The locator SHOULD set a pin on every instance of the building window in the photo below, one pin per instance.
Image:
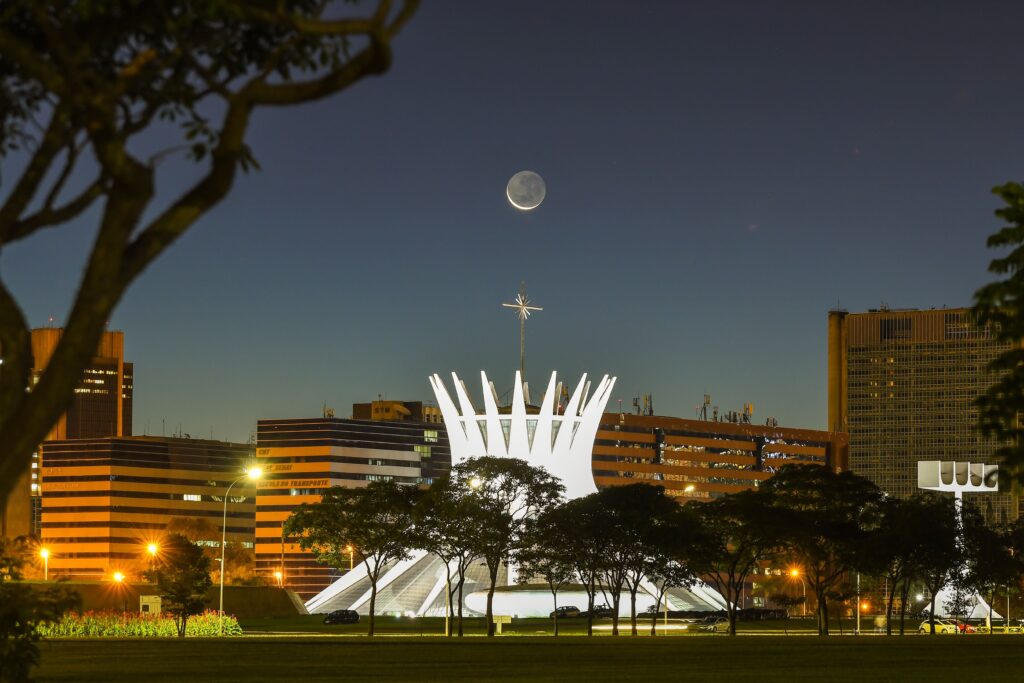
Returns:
(194, 497)
(430, 435)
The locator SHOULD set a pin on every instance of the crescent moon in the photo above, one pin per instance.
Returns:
(526, 190)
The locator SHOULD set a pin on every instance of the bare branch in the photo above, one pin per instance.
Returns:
(16, 350)
(213, 187)
(27, 186)
(50, 217)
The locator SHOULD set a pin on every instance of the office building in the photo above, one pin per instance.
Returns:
(903, 384)
(699, 460)
(102, 406)
(105, 499)
(301, 458)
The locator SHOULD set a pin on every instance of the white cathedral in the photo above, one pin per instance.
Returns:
(559, 438)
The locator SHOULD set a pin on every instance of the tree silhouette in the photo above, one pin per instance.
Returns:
(81, 83)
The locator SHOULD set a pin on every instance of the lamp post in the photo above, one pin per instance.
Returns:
(45, 554)
(119, 582)
(253, 473)
(795, 573)
(350, 551)
(279, 575)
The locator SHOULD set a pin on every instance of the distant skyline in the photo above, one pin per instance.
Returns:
(719, 175)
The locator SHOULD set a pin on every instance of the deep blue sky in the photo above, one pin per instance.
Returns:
(719, 175)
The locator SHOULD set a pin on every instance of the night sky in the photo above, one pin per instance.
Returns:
(719, 176)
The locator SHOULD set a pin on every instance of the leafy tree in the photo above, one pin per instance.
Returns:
(893, 547)
(239, 561)
(938, 555)
(181, 573)
(631, 512)
(674, 541)
(1000, 306)
(742, 530)
(447, 525)
(508, 492)
(586, 519)
(85, 89)
(825, 519)
(992, 562)
(22, 610)
(543, 555)
(376, 521)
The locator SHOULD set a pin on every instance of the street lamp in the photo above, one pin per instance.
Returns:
(45, 554)
(350, 550)
(795, 573)
(279, 575)
(252, 474)
(152, 549)
(475, 483)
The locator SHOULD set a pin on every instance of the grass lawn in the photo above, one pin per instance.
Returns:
(708, 658)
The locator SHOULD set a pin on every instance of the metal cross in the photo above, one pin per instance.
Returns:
(522, 305)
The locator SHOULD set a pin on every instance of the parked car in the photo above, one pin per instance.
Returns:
(601, 612)
(714, 624)
(946, 626)
(566, 611)
(342, 616)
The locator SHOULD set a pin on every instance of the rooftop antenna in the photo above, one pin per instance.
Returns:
(523, 307)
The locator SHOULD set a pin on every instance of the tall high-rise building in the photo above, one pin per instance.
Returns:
(105, 499)
(902, 383)
(302, 458)
(102, 406)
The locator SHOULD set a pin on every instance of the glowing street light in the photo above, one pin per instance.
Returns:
(475, 483)
(45, 554)
(350, 550)
(279, 575)
(865, 606)
(252, 474)
(118, 577)
(795, 573)
(152, 549)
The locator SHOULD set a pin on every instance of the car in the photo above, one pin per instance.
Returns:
(566, 611)
(601, 612)
(714, 624)
(946, 626)
(342, 616)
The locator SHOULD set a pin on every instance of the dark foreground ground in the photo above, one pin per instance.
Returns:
(312, 659)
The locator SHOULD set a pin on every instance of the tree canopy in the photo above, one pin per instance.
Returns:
(85, 89)
(374, 523)
(999, 306)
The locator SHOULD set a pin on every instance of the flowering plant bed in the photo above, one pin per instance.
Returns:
(137, 625)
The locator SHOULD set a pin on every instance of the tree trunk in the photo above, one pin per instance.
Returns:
(632, 610)
(931, 615)
(888, 608)
(654, 615)
(590, 608)
(373, 603)
(904, 591)
(554, 599)
(182, 625)
(490, 599)
(462, 582)
(616, 596)
(823, 613)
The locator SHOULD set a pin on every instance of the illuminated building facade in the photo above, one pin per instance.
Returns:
(903, 384)
(102, 406)
(704, 459)
(301, 458)
(104, 500)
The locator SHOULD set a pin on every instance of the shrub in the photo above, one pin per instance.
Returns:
(137, 625)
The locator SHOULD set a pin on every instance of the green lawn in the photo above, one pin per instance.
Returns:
(719, 658)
